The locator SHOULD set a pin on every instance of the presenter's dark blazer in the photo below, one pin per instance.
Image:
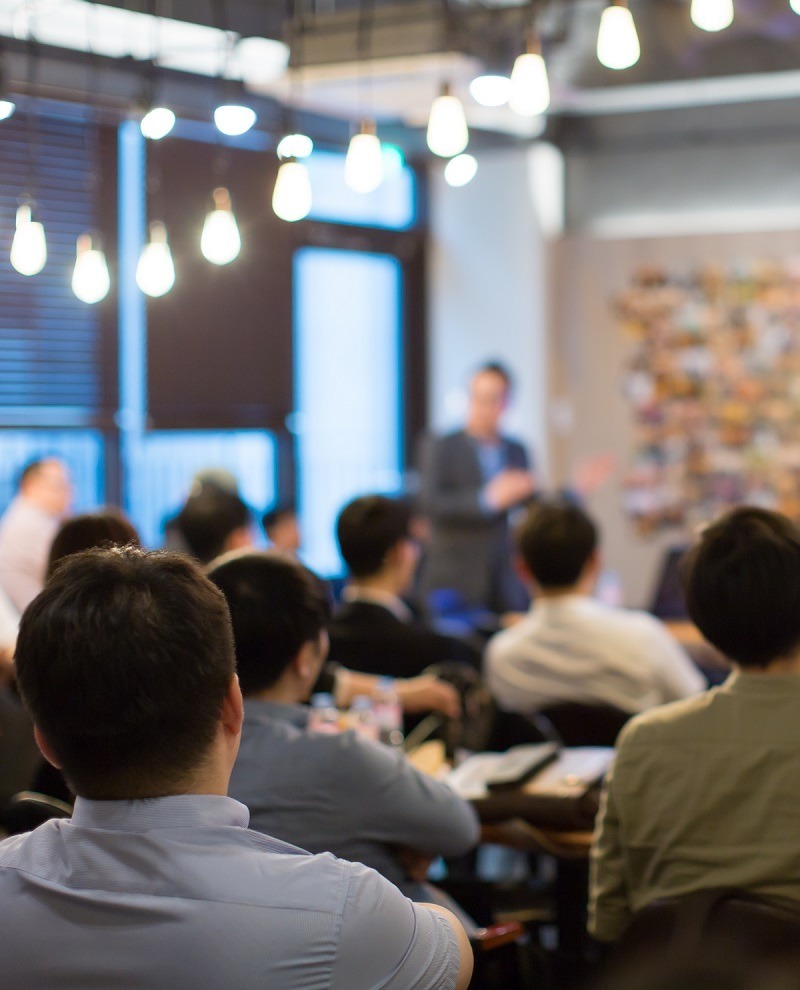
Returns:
(470, 548)
(370, 638)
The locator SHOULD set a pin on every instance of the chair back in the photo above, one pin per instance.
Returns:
(585, 725)
(728, 934)
(28, 810)
(19, 755)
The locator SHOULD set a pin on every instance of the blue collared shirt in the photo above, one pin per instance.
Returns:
(344, 794)
(177, 893)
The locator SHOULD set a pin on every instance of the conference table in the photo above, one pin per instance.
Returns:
(519, 818)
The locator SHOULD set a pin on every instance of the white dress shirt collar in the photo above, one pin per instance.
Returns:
(374, 596)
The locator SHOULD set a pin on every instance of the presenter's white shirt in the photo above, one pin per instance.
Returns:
(576, 649)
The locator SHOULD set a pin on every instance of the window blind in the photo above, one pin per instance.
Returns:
(51, 368)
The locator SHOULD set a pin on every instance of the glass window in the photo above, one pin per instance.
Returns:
(347, 387)
(393, 204)
(81, 450)
(160, 467)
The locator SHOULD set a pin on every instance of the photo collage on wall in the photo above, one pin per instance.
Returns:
(713, 382)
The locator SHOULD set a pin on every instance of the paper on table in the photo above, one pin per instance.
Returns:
(573, 771)
(472, 779)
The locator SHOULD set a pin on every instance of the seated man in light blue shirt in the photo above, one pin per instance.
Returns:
(344, 794)
(126, 663)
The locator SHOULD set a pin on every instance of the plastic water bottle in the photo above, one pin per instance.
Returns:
(362, 717)
(389, 713)
(324, 715)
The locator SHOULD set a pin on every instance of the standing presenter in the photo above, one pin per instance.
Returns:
(471, 480)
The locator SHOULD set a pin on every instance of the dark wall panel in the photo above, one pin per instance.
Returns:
(220, 343)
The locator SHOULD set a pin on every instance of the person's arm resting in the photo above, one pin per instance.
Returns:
(388, 943)
(406, 807)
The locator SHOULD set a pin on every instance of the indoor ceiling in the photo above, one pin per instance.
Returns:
(388, 58)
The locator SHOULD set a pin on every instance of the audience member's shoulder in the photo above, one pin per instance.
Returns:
(506, 641)
(672, 721)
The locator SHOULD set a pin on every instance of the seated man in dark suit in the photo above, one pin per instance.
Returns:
(375, 630)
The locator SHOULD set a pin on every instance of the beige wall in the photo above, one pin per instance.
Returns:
(587, 354)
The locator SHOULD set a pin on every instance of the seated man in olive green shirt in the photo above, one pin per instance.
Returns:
(706, 792)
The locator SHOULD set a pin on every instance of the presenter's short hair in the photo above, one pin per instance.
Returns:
(499, 369)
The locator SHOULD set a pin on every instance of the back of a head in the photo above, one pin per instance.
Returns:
(276, 607)
(208, 519)
(742, 581)
(106, 528)
(556, 541)
(124, 661)
(368, 528)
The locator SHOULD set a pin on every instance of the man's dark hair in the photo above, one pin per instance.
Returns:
(208, 519)
(556, 541)
(106, 528)
(496, 368)
(276, 514)
(124, 661)
(742, 581)
(368, 528)
(276, 607)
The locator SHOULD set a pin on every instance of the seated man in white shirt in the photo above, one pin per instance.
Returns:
(126, 663)
(570, 647)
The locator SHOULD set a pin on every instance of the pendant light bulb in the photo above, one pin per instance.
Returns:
(233, 119)
(448, 134)
(29, 247)
(363, 167)
(795, 5)
(460, 170)
(220, 241)
(712, 15)
(155, 273)
(7, 108)
(530, 87)
(157, 123)
(291, 198)
(617, 41)
(90, 278)
(295, 146)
